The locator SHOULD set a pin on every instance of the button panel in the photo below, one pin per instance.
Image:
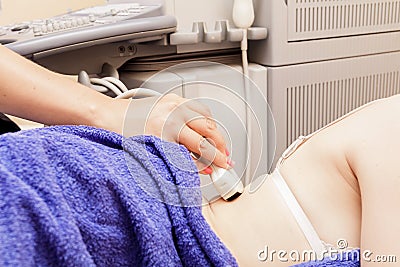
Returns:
(87, 17)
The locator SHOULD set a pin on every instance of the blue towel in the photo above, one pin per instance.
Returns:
(80, 196)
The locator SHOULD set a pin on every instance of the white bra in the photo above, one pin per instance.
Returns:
(317, 245)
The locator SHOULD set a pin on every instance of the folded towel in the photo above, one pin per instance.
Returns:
(80, 196)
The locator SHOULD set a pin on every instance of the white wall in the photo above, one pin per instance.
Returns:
(13, 11)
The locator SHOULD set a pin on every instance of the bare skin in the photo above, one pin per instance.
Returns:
(347, 180)
(348, 169)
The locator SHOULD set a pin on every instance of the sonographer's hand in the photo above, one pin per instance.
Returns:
(169, 117)
(176, 119)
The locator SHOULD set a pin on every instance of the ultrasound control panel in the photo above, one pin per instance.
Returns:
(83, 18)
(71, 34)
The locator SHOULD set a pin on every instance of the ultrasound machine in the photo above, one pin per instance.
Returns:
(308, 62)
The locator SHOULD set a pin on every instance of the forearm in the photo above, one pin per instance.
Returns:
(35, 93)
(30, 91)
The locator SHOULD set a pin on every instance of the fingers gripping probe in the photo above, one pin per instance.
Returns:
(225, 181)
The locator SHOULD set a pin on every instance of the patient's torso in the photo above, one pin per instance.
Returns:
(258, 225)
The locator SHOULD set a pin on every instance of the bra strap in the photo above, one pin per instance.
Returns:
(302, 220)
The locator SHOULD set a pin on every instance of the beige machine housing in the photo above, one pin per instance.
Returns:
(322, 58)
(305, 97)
(301, 31)
(325, 58)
